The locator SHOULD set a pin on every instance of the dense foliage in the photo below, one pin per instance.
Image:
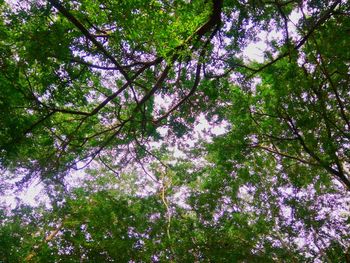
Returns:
(113, 93)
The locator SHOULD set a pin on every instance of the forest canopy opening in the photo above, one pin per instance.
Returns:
(114, 92)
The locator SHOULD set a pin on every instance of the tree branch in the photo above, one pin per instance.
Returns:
(87, 34)
(326, 15)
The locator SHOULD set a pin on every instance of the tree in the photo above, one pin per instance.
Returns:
(94, 81)
(94, 85)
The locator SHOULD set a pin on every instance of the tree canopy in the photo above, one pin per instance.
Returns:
(113, 93)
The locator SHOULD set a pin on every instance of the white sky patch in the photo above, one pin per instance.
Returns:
(255, 50)
(31, 195)
(203, 127)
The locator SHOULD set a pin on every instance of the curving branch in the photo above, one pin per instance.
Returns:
(87, 34)
(323, 18)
